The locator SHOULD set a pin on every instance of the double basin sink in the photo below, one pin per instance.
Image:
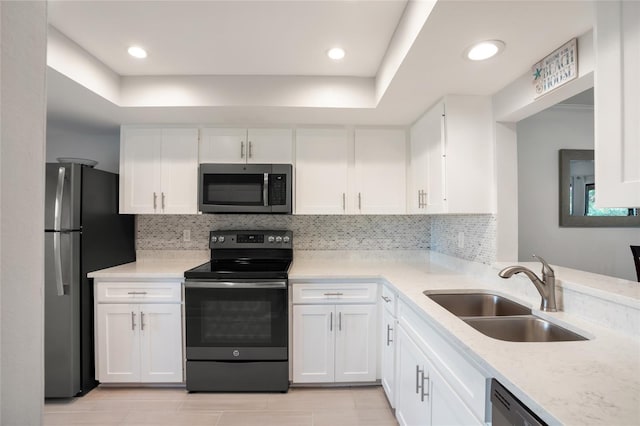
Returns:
(501, 318)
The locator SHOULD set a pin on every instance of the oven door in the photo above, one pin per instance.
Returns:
(239, 321)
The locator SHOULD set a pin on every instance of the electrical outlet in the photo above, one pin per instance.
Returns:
(461, 240)
(186, 235)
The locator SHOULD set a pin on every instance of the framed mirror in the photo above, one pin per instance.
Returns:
(578, 192)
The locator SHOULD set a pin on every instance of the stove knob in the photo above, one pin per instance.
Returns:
(285, 239)
(271, 239)
(278, 239)
(221, 239)
(214, 239)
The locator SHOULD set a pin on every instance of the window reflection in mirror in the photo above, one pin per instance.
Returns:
(578, 194)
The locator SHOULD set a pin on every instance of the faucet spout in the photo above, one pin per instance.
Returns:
(545, 286)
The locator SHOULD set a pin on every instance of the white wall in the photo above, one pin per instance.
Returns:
(23, 36)
(69, 140)
(600, 250)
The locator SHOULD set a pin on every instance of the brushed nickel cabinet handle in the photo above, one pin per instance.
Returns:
(386, 299)
(344, 201)
(340, 321)
(334, 294)
(241, 149)
(250, 149)
(141, 320)
(331, 322)
(133, 321)
(163, 201)
(359, 201)
(155, 201)
(389, 330)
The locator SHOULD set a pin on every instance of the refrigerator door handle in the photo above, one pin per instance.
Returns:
(57, 261)
(57, 222)
(57, 208)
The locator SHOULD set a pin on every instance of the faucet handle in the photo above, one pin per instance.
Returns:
(547, 270)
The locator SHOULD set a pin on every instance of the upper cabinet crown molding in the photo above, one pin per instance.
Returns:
(617, 103)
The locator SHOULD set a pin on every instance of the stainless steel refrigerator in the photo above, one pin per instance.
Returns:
(83, 233)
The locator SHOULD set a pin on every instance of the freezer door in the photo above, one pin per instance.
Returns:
(62, 316)
(62, 196)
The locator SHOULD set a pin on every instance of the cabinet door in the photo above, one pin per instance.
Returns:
(179, 171)
(434, 137)
(356, 343)
(140, 170)
(380, 171)
(388, 355)
(446, 406)
(617, 133)
(270, 146)
(412, 408)
(118, 343)
(416, 194)
(313, 343)
(322, 158)
(160, 343)
(223, 145)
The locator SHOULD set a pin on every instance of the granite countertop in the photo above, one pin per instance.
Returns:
(587, 382)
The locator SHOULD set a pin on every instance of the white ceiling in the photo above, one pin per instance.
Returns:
(232, 37)
(289, 39)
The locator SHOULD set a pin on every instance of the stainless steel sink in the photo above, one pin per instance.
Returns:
(527, 328)
(501, 318)
(477, 304)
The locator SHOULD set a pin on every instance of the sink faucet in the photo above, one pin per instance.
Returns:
(545, 286)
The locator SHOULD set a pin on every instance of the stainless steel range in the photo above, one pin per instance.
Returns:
(237, 314)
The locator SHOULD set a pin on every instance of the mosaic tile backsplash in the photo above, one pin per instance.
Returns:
(356, 232)
(343, 232)
(479, 236)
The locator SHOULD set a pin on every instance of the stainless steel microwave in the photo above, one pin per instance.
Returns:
(245, 188)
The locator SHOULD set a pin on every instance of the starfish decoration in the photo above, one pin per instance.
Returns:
(537, 73)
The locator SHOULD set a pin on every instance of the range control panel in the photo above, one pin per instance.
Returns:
(251, 239)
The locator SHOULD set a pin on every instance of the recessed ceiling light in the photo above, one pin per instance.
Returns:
(137, 52)
(336, 53)
(484, 50)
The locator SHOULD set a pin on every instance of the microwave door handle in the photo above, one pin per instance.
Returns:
(265, 190)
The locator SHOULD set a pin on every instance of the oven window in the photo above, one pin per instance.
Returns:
(233, 189)
(236, 317)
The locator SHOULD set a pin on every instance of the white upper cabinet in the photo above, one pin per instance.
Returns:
(158, 170)
(380, 171)
(230, 145)
(342, 172)
(322, 162)
(617, 104)
(452, 157)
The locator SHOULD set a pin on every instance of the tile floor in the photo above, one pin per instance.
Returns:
(353, 406)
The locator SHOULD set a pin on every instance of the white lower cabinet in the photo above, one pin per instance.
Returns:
(335, 338)
(424, 397)
(388, 345)
(334, 343)
(138, 342)
(435, 385)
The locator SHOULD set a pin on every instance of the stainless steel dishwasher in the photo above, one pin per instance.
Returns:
(507, 410)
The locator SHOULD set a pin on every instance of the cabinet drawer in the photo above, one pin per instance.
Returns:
(388, 300)
(334, 294)
(138, 292)
(464, 378)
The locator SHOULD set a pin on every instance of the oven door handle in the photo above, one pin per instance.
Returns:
(230, 284)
